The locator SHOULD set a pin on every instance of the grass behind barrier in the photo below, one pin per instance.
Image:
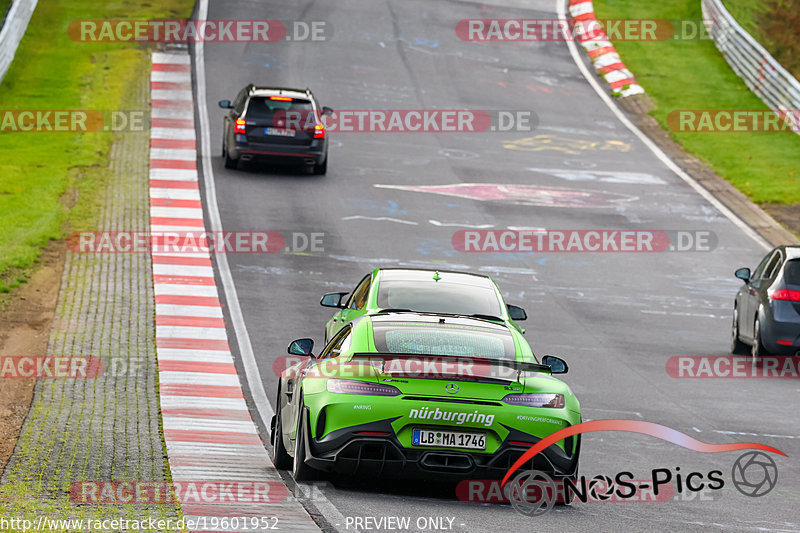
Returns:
(694, 75)
(774, 24)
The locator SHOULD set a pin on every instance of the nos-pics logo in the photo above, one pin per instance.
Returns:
(533, 493)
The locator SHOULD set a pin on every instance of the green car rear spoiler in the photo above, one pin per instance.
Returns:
(518, 366)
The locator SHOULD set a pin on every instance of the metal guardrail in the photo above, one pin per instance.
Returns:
(751, 61)
(12, 31)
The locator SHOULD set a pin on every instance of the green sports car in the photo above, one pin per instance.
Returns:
(413, 395)
(429, 291)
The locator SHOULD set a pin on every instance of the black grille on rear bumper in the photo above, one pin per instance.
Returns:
(452, 400)
(447, 462)
(370, 456)
(372, 449)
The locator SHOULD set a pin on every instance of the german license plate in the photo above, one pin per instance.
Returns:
(280, 132)
(449, 439)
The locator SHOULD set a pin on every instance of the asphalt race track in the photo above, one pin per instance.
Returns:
(615, 317)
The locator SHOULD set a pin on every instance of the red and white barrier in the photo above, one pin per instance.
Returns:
(602, 53)
(208, 430)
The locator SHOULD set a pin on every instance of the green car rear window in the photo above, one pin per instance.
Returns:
(457, 341)
(441, 297)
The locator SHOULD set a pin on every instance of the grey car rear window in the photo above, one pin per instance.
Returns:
(263, 107)
(791, 272)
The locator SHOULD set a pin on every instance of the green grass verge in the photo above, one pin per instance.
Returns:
(37, 170)
(51, 183)
(693, 75)
(773, 23)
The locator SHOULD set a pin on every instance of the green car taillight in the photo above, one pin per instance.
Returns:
(348, 386)
(539, 399)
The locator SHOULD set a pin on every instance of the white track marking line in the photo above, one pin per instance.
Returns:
(207, 424)
(183, 270)
(171, 377)
(460, 225)
(174, 174)
(188, 332)
(175, 194)
(193, 356)
(173, 59)
(186, 154)
(188, 290)
(194, 402)
(182, 134)
(195, 230)
(176, 212)
(208, 311)
(171, 94)
(159, 75)
(178, 250)
(381, 219)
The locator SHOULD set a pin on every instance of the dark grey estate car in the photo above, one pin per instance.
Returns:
(278, 124)
(766, 312)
